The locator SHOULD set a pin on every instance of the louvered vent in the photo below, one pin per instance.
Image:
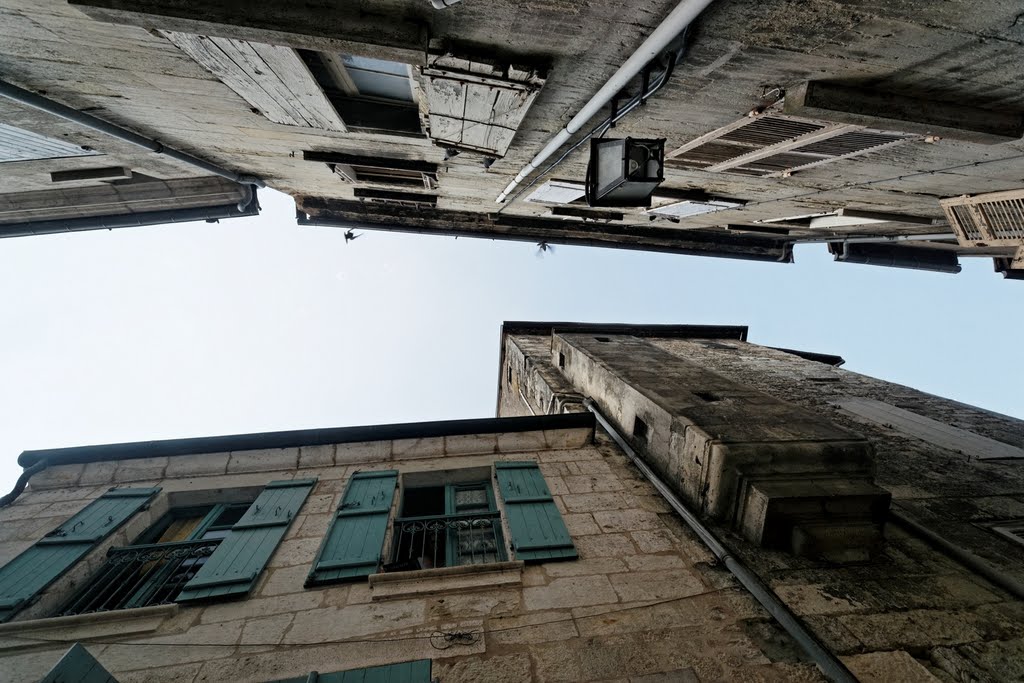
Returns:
(987, 220)
(774, 145)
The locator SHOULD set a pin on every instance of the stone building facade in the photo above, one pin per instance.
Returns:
(541, 545)
(638, 597)
(817, 121)
(876, 545)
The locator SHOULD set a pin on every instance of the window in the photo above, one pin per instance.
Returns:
(28, 574)
(193, 553)
(441, 523)
(385, 176)
(561, 359)
(18, 144)
(373, 95)
(639, 428)
(154, 569)
(446, 526)
(356, 168)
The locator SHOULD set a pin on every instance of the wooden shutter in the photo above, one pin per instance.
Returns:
(538, 532)
(78, 666)
(33, 570)
(352, 548)
(234, 566)
(406, 672)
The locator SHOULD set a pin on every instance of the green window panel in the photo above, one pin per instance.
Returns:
(352, 548)
(538, 531)
(30, 572)
(406, 672)
(78, 666)
(235, 565)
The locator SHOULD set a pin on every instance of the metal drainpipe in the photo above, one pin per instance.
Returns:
(826, 661)
(677, 20)
(876, 238)
(964, 557)
(19, 485)
(22, 96)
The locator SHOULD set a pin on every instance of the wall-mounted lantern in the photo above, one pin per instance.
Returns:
(624, 172)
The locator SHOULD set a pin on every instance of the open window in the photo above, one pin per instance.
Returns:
(444, 519)
(194, 553)
(370, 95)
(154, 569)
(446, 526)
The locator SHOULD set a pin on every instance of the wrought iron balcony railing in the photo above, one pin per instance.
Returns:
(446, 541)
(141, 575)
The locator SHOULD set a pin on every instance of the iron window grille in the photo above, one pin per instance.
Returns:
(468, 533)
(384, 175)
(155, 569)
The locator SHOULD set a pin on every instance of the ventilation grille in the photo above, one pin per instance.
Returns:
(987, 220)
(775, 145)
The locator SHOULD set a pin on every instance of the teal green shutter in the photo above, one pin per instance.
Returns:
(538, 532)
(78, 666)
(406, 672)
(33, 570)
(235, 565)
(352, 548)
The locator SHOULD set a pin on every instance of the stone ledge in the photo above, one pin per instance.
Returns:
(31, 634)
(445, 580)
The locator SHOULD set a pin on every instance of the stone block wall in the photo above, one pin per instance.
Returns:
(644, 598)
(910, 612)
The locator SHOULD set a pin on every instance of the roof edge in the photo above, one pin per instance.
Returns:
(736, 332)
(304, 437)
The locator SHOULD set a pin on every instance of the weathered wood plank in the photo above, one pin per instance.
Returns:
(296, 77)
(248, 62)
(210, 55)
(271, 78)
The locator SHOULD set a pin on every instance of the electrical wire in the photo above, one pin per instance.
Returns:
(439, 639)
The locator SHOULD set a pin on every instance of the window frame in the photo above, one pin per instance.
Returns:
(451, 518)
(363, 112)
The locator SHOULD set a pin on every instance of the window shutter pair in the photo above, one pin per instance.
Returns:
(29, 573)
(355, 540)
(235, 565)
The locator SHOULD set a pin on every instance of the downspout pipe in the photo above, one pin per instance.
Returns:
(880, 239)
(30, 99)
(829, 664)
(22, 482)
(964, 557)
(677, 20)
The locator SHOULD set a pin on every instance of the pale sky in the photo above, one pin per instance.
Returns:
(256, 324)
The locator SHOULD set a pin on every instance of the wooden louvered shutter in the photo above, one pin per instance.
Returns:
(352, 548)
(538, 532)
(78, 666)
(235, 565)
(33, 570)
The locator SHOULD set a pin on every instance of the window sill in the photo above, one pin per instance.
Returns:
(445, 580)
(65, 630)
